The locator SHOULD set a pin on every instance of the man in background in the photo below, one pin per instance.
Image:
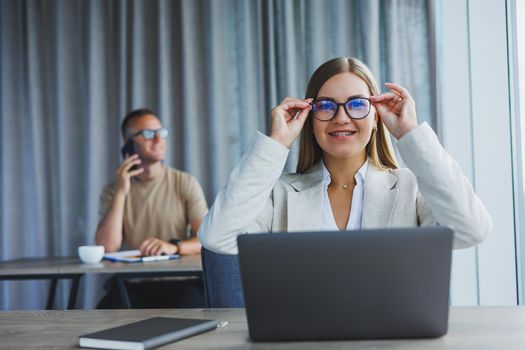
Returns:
(154, 208)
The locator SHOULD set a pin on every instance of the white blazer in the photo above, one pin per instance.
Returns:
(260, 198)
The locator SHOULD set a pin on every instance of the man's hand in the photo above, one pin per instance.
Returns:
(155, 246)
(124, 174)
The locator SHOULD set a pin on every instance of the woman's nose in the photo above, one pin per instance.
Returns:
(340, 116)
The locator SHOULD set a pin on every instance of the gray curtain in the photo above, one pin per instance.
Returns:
(213, 70)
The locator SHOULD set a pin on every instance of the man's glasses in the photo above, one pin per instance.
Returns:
(149, 134)
(326, 109)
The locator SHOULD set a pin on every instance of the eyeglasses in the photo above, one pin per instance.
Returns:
(149, 134)
(326, 109)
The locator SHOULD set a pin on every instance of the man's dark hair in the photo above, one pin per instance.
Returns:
(137, 113)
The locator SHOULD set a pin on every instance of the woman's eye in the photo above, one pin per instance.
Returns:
(327, 105)
(356, 104)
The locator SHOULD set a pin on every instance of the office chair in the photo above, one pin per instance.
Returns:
(222, 280)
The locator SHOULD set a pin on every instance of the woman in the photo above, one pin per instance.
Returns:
(347, 176)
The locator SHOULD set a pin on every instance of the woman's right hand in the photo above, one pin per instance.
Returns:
(288, 119)
(124, 174)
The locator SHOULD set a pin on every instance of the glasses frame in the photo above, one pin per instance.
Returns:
(344, 107)
(155, 133)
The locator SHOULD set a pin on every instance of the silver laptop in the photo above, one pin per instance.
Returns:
(369, 284)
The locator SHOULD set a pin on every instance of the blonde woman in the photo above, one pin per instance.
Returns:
(347, 175)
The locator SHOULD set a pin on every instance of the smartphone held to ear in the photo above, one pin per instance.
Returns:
(129, 149)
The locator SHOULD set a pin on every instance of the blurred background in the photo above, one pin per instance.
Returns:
(212, 70)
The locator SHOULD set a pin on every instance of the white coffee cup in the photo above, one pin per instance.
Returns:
(91, 254)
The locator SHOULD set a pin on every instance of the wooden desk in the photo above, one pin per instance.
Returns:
(475, 328)
(54, 269)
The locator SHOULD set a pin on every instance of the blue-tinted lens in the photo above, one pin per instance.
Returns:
(324, 109)
(358, 103)
(358, 108)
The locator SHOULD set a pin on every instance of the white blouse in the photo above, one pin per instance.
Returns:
(356, 211)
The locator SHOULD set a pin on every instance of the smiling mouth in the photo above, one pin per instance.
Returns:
(341, 133)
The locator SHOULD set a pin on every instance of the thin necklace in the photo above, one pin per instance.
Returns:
(345, 187)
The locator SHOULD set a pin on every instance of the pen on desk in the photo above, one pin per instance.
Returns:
(155, 258)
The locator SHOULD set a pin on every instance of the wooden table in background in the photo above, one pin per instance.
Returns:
(54, 269)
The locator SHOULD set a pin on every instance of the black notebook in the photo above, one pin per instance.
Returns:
(147, 334)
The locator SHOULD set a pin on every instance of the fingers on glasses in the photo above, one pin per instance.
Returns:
(294, 107)
(292, 103)
(386, 97)
(400, 90)
(396, 94)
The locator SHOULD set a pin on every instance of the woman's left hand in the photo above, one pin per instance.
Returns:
(397, 110)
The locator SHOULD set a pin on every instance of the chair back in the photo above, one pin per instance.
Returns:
(222, 280)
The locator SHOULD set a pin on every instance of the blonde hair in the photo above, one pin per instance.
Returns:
(379, 148)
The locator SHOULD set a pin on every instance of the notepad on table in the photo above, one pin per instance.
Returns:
(147, 334)
(135, 256)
